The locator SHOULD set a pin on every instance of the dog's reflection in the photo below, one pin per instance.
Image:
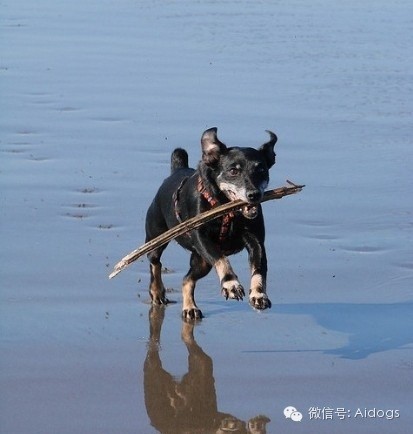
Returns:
(188, 405)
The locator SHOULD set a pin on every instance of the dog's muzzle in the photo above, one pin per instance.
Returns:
(250, 210)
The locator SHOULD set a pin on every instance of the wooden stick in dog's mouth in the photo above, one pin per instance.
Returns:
(199, 220)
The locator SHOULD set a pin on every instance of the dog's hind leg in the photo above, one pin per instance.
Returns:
(199, 268)
(156, 288)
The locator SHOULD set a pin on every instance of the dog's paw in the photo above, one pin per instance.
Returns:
(232, 289)
(260, 301)
(192, 314)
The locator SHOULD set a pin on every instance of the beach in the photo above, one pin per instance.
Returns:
(95, 97)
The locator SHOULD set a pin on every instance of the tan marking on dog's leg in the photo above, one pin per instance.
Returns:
(224, 268)
(257, 284)
(157, 289)
(231, 288)
(189, 308)
(188, 288)
(258, 296)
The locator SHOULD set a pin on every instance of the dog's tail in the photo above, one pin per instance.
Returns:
(179, 159)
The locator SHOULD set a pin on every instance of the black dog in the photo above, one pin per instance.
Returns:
(224, 174)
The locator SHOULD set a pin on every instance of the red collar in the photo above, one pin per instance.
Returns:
(206, 194)
(213, 201)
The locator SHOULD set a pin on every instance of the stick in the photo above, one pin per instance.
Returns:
(196, 222)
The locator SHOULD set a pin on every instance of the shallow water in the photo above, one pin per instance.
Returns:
(95, 95)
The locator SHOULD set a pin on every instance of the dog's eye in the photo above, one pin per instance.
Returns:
(234, 171)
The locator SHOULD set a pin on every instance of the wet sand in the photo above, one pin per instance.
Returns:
(95, 95)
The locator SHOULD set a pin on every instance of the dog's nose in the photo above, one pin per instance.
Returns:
(254, 196)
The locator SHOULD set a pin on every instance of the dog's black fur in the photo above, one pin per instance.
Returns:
(223, 174)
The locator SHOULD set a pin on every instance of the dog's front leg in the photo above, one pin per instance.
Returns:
(258, 264)
(230, 285)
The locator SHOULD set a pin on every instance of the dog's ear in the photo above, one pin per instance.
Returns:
(212, 148)
(267, 149)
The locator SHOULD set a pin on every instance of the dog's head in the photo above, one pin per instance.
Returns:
(240, 173)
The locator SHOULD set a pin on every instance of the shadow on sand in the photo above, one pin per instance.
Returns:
(187, 405)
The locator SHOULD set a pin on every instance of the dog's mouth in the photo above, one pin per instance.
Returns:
(249, 211)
